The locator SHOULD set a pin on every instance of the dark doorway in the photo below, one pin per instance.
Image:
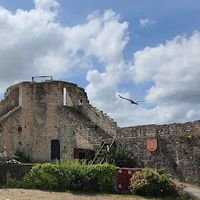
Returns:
(83, 154)
(55, 149)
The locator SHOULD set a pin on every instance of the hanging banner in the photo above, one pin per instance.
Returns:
(152, 144)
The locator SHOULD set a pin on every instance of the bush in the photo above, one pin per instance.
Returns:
(21, 157)
(119, 156)
(72, 175)
(103, 176)
(12, 182)
(68, 175)
(152, 182)
(41, 176)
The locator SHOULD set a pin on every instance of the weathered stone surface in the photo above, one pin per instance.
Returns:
(42, 117)
(32, 115)
(178, 148)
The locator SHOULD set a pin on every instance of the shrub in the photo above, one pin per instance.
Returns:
(67, 175)
(21, 157)
(12, 182)
(103, 176)
(152, 182)
(72, 175)
(119, 156)
(41, 176)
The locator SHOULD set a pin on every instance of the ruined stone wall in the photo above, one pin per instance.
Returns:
(39, 119)
(31, 128)
(9, 134)
(49, 119)
(178, 148)
(15, 170)
(44, 117)
(10, 100)
(86, 134)
(9, 121)
(101, 119)
(80, 101)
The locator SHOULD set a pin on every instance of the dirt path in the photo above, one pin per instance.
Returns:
(192, 190)
(21, 194)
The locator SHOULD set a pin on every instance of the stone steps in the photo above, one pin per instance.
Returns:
(102, 114)
(101, 119)
(9, 113)
(93, 130)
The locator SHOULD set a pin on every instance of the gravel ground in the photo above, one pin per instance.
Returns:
(21, 194)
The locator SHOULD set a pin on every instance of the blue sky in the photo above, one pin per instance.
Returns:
(151, 52)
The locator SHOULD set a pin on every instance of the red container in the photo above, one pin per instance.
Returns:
(123, 178)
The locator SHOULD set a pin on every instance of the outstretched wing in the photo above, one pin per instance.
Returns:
(130, 100)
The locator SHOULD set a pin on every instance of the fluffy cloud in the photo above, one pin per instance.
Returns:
(102, 86)
(27, 38)
(108, 47)
(33, 42)
(146, 22)
(174, 70)
(171, 70)
(46, 4)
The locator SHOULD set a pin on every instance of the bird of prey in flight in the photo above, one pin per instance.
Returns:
(130, 100)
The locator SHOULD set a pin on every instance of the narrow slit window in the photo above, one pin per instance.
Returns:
(64, 96)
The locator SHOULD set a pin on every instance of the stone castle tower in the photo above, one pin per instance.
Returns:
(51, 120)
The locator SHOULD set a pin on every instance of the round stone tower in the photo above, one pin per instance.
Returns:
(51, 120)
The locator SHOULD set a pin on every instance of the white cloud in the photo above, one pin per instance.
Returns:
(108, 47)
(146, 22)
(46, 4)
(103, 86)
(27, 37)
(174, 69)
(33, 42)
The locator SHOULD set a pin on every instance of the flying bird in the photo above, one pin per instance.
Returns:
(130, 100)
